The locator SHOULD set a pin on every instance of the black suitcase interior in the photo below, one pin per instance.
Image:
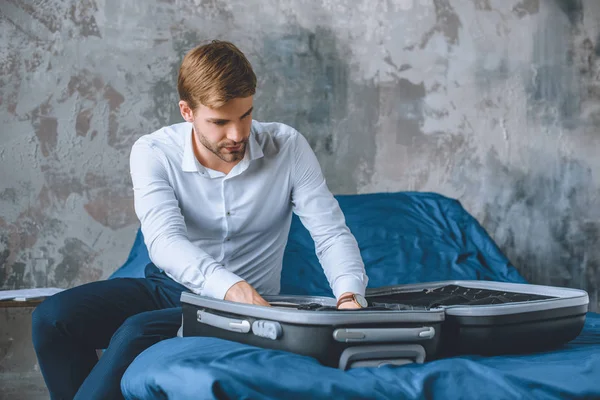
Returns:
(403, 323)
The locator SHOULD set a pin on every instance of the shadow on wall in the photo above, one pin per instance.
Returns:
(553, 85)
(304, 81)
(547, 223)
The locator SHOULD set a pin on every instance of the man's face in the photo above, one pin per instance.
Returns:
(222, 132)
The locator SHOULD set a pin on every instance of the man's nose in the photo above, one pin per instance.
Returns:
(235, 134)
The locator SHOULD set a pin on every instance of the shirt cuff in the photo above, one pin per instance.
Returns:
(350, 284)
(219, 282)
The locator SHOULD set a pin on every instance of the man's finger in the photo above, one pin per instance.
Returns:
(348, 306)
(262, 302)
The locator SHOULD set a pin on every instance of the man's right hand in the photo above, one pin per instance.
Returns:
(243, 292)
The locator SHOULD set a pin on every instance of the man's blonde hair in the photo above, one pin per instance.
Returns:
(214, 73)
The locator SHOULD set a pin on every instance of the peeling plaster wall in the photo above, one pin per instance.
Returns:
(493, 102)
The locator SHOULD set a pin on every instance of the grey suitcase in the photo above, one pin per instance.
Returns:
(403, 323)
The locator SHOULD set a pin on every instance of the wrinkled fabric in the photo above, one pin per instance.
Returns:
(210, 368)
(405, 237)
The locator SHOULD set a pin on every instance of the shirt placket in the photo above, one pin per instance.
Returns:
(228, 200)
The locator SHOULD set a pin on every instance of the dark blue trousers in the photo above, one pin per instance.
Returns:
(125, 316)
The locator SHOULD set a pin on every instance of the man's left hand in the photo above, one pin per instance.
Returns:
(349, 305)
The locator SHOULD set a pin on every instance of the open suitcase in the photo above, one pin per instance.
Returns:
(403, 323)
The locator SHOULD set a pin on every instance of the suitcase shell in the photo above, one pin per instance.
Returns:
(423, 327)
(335, 338)
(513, 327)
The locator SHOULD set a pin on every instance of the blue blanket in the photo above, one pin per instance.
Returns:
(404, 238)
(209, 368)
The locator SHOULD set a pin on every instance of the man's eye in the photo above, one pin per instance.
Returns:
(220, 123)
(246, 116)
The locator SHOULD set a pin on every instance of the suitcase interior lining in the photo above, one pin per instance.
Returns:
(449, 295)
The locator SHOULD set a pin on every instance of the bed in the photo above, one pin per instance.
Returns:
(404, 237)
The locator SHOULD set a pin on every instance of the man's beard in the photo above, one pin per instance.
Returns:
(219, 150)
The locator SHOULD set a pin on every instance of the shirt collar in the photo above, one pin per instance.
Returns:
(189, 163)
(254, 150)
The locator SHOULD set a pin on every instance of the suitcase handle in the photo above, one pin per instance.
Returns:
(370, 335)
(229, 324)
(383, 354)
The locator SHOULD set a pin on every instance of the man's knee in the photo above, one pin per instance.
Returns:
(134, 328)
(143, 330)
(45, 320)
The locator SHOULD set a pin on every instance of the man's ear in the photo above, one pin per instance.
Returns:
(186, 111)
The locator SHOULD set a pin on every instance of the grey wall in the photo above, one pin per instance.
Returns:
(493, 102)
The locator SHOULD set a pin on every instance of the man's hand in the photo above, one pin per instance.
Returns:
(348, 305)
(242, 292)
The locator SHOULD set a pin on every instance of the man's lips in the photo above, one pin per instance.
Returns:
(234, 148)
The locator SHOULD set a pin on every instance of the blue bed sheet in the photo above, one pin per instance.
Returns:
(209, 368)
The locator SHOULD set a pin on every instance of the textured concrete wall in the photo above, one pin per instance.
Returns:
(493, 102)
(20, 376)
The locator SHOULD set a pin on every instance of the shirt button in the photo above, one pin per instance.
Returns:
(228, 213)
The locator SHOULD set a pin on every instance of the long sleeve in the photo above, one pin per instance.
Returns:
(320, 213)
(164, 229)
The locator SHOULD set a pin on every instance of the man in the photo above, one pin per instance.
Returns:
(215, 197)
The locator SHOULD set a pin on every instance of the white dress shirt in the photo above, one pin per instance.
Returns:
(209, 230)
